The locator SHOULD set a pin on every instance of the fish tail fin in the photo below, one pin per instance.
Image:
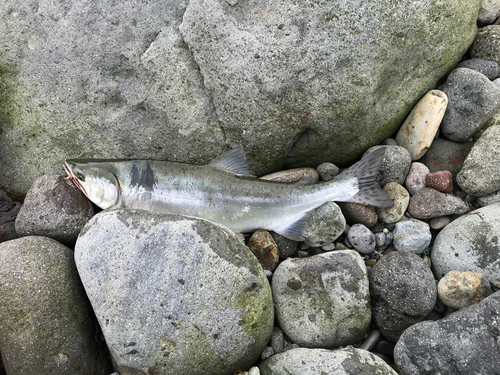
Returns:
(365, 174)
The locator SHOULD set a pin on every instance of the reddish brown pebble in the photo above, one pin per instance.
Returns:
(429, 203)
(441, 181)
(264, 248)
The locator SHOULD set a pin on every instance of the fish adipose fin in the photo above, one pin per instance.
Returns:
(365, 171)
(233, 161)
(295, 230)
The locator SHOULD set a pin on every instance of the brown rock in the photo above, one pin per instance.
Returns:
(293, 175)
(356, 213)
(429, 203)
(264, 248)
(442, 181)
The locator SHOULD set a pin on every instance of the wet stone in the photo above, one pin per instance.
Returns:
(327, 171)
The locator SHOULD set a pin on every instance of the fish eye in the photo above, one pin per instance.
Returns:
(80, 176)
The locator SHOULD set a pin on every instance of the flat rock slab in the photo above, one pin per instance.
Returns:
(46, 322)
(465, 342)
(294, 85)
(304, 361)
(174, 295)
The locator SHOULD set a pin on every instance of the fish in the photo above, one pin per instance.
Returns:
(225, 191)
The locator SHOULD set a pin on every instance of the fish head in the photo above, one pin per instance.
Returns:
(96, 181)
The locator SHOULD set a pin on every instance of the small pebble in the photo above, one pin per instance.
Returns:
(361, 238)
(277, 340)
(302, 254)
(371, 340)
(396, 164)
(460, 289)
(356, 213)
(293, 175)
(427, 260)
(389, 237)
(286, 247)
(441, 181)
(429, 203)
(412, 236)
(264, 248)
(254, 371)
(489, 199)
(389, 142)
(439, 222)
(268, 351)
(380, 238)
(418, 131)
(416, 177)
(401, 199)
(329, 247)
(327, 171)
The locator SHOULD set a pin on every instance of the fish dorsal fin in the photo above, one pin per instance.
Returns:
(233, 161)
(295, 230)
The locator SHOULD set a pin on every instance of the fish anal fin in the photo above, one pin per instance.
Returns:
(295, 231)
(233, 161)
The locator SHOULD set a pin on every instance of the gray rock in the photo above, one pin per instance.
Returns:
(489, 12)
(470, 243)
(445, 155)
(415, 180)
(327, 171)
(45, 318)
(473, 99)
(361, 238)
(8, 231)
(439, 222)
(304, 361)
(487, 44)
(396, 164)
(489, 199)
(428, 203)
(324, 225)
(403, 292)
(380, 238)
(54, 208)
(186, 80)
(480, 174)
(465, 342)
(323, 301)
(490, 69)
(174, 294)
(254, 371)
(286, 247)
(412, 235)
(277, 340)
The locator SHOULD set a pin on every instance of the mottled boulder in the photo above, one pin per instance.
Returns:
(403, 292)
(304, 361)
(323, 301)
(174, 295)
(465, 342)
(470, 243)
(46, 322)
(54, 208)
(294, 85)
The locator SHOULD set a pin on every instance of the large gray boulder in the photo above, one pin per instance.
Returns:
(174, 295)
(294, 85)
(46, 323)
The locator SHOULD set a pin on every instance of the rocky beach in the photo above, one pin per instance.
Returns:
(306, 89)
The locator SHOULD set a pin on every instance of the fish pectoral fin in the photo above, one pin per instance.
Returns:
(295, 231)
(233, 161)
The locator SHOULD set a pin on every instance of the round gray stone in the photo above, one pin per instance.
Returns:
(470, 243)
(173, 294)
(412, 235)
(304, 361)
(45, 318)
(396, 164)
(324, 225)
(473, 99)
(361, 238)
(323, 301)
(403, 292)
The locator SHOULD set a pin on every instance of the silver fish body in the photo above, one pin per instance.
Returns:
(216, 192)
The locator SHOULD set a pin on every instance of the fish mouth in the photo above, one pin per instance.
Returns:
(73, 179)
